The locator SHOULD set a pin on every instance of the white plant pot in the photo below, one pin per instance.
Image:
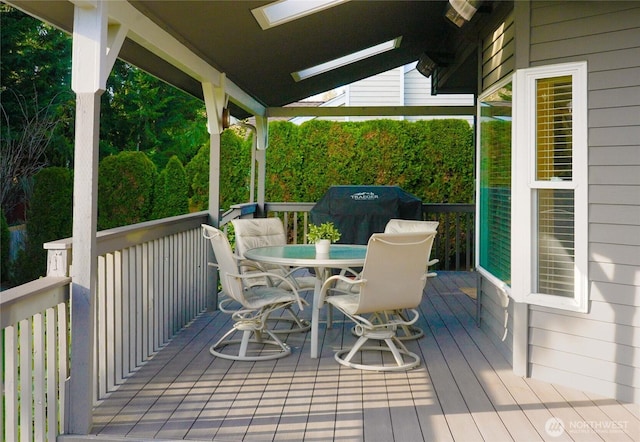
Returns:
(322, 247)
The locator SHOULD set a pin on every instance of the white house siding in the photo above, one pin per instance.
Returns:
(385, 89)
(497, 63)
(417, 92)
(599, 351)
(417, 88)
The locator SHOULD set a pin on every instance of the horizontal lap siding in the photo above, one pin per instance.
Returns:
(492, 319)
(498, 53)
(417, 89)
(385, 89)
(599, 351)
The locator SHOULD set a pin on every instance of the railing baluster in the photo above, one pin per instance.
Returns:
(100, 330)
(63, 323)
(295, 227)
(39, 387)
(163, 280)
(118, 318)
(131, 302)
(24, 374)
(139, 308)
(51, 323)
(110, 323)
(11, 383)
(457, 240)
(470, 237)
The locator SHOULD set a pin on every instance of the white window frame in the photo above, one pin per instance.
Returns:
(525, 185)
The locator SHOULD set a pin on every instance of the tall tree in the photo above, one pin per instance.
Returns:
(142, 113)
(171, 196)
(139, 112)
(37, 103)
(49, 218)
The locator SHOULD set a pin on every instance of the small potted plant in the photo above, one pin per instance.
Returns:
(323, 235)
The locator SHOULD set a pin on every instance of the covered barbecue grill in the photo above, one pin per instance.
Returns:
(359, 211)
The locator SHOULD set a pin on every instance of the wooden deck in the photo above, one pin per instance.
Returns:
(464, 390)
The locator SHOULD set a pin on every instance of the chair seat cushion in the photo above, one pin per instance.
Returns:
(258, 297)
(347, 302)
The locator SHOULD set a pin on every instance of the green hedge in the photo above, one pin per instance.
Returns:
(171, 191)
(432, 159)
(49, 217)
(235, 172)
(125, 189)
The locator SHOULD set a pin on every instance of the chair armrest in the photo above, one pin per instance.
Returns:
(329, 284)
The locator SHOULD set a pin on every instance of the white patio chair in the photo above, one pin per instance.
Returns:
(408, 226)
(257, 303)
(408, 332)
(259, 232)
(392, 278)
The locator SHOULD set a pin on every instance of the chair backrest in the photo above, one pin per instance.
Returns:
(394, 270)
(258, 232)
(407, 226)
(226, 262)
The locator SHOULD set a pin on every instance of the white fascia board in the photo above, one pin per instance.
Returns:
(149, 35)
(352, 111)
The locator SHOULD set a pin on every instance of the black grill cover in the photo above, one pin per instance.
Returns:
(360, 211)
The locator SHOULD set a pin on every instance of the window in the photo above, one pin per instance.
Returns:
(284, 11)
(549, 235)
(336, 63)
(494, 178)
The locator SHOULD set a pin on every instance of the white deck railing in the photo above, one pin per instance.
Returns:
(35, 359)
(151, 283)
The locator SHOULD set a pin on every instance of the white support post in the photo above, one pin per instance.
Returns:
(520, 346)
(90, 69)
(215, 101)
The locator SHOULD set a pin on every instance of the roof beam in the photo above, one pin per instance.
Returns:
(152, 37)
(369, 111)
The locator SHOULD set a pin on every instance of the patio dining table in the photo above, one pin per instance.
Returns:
(340, 256)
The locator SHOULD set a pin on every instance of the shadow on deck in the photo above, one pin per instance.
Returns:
(464, 390)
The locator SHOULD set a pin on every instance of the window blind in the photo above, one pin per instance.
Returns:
(553, 129)
(555, 206)
(556, 245)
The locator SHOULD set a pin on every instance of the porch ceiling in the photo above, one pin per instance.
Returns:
(227, 37)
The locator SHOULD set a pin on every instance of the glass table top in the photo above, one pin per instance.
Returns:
(305, 255)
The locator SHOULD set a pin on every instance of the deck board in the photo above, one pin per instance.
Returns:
(463, 391)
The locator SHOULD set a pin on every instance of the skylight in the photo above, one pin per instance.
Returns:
(283, 11)
(347, 59)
